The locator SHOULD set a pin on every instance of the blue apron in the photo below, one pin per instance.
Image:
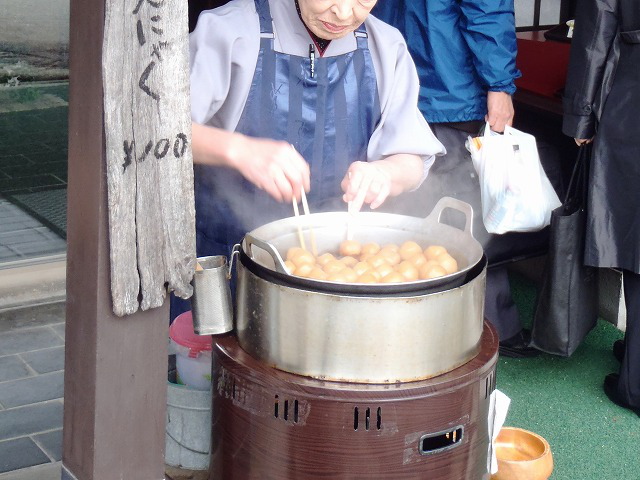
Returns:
(328, 117)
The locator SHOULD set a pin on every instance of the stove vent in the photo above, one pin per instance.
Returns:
(489, 385)
(441, 441)
(362, 417)
(287, 410)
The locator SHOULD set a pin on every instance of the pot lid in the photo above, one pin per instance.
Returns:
(181, 332)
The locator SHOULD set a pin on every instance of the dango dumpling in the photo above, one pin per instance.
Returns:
(369, 249)
(447, 262)
(350, 248)
(349, 274)
(290, 266)
(390, 254)
(304, 269)
(418, 259)
(384, 269)
(333, 266)
(324, 258)
(303, 258)
(432, 270)
(294, 252)
(362, 267)
(367, 277)
(408, 270)
(393, 277)
(408, 249)
(317, 274)
(349, 261)
(432, 251)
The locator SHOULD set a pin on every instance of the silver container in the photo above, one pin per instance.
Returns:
(361, 333)
(211, 302)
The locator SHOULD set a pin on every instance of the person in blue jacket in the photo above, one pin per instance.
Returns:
(465, 53)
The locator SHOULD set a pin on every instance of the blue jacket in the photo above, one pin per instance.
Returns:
(462, 49)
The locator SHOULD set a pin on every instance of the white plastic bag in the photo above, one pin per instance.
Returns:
(515, 192)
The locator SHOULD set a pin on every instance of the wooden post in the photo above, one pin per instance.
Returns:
(115, 368)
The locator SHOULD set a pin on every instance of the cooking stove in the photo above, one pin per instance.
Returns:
(270, 424)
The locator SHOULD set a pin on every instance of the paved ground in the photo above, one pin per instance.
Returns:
(33, 167)
(31, 392)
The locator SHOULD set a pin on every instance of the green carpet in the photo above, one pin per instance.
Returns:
(562, 400)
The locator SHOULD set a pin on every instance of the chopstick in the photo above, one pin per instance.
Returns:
(350, 216)
(297, 215)
(305, 206)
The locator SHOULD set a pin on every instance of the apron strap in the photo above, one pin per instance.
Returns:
(361, 36)
(264, 14)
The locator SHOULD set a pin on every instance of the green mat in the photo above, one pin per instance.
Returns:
(48, 206)
(562, 400)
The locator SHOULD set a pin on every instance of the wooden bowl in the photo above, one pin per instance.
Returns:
(522, 455)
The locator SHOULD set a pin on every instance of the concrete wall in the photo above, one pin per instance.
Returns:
(35, 23)
(34, 40)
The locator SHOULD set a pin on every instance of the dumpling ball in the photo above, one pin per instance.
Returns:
(433, 251)
(304, 258)
(432, 270)
(408, 249)
(408, 270)
(369, 249)
(350, 248)
(447, 262)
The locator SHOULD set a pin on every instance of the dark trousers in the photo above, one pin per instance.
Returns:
(629, 386)
(499, 308)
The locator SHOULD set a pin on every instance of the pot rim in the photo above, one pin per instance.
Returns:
(269, 237)
(360, 289)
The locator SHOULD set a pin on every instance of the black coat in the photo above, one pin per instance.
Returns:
(602, 98)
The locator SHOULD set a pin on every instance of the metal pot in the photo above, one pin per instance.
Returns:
(361, 333)
(267, 244)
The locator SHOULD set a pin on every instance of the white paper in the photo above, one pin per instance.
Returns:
(498, 409)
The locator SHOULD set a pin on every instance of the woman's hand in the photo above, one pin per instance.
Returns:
(582, 141)
(500, 110)
(366, 183)
(273, 166)
(373, 182)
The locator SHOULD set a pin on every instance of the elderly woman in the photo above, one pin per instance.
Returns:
(299, 94)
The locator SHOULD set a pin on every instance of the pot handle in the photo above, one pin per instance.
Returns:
(455, 204)
(251, 241)
(235, 251)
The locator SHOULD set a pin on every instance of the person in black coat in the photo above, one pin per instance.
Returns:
(602, 98)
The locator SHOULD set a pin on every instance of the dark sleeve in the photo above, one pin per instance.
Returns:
(595, 29)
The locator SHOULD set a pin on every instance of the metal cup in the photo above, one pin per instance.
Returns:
(211, 303)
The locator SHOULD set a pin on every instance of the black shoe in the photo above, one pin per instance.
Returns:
(618, 350)
(518, 346)
(611, 389)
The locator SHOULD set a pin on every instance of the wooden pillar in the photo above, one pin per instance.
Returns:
(115, 367)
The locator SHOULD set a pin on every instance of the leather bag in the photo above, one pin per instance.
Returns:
(567, 305)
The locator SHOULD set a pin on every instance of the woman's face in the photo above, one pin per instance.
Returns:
(331, 19)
